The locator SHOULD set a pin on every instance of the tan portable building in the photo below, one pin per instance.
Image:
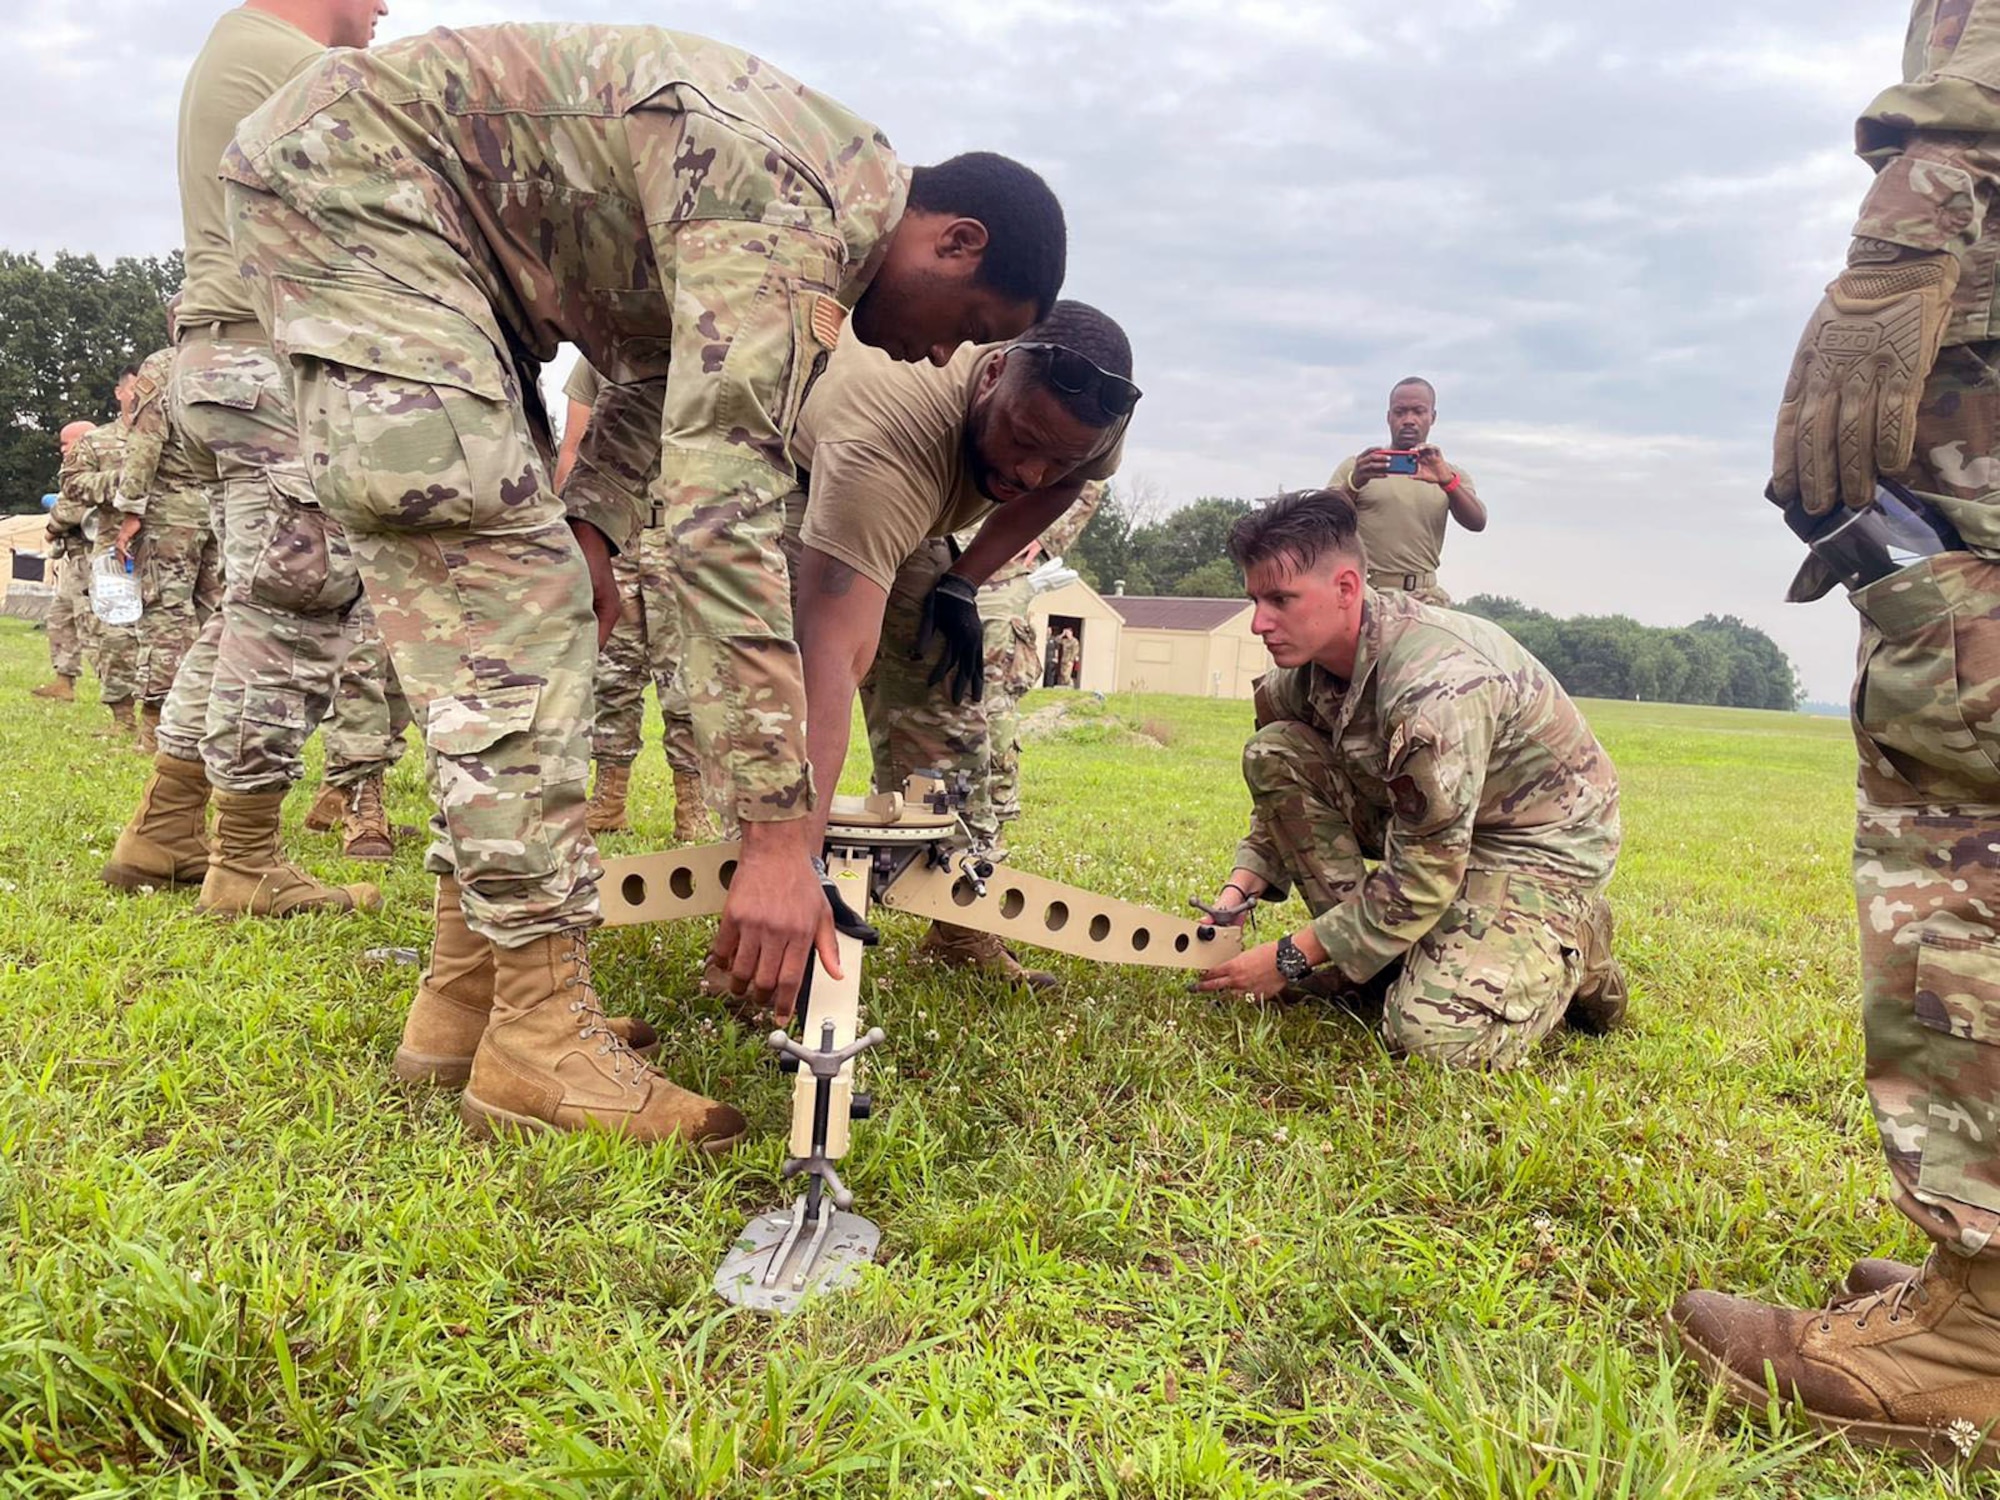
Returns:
(24, 586)
(1201, 648)
(1084, 611)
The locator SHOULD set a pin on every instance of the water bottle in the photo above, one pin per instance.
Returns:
(114, 592)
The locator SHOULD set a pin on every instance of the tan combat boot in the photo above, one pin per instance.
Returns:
(455, 996)
(982, 952)
(1916, 1366)
(149, 728)
(124, 721)
(1601, 997)
(163, 845)
(248, 874)
(691, 821)
(606, 813)
(364, 827)
(327, 809)
(62, 690)
(549, 1060)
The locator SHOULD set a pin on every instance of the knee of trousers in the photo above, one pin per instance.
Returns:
(1476, 1039)
(1285, 756)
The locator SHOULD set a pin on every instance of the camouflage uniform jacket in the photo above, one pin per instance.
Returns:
(1055, 542)
(88, 480)
(1464, 752)
(159, 481)
(620, 188)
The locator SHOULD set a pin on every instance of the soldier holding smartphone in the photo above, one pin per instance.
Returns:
(1403, 493)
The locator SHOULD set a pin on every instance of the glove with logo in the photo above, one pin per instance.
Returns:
(1850, 406)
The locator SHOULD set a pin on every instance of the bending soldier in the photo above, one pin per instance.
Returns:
(900, 460)
(697, 224)
(1431, 742)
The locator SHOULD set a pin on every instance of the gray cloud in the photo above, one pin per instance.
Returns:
(1597, 227)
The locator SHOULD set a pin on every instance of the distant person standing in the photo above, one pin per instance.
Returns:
(1069, 654)
(1403, 493)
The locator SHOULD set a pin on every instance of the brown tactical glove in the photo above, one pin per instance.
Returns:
(1850, 406)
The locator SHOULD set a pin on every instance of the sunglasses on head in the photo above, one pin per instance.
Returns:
(1074, 375)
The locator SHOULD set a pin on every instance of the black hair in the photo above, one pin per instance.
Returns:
(1415, 380)
(1081, 328)
(1300, 525)
(1027, 241)
(127, 372)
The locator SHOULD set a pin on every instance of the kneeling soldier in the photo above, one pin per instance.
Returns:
(1432, 742)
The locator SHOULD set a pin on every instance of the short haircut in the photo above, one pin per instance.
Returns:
(1027, 240)
(1300, 526)
(128, 372)
(1429, 389)
(1079, 327)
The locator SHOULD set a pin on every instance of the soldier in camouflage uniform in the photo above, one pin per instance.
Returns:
(423, 226)
(1069, 655)
(88, 483)
(1898, 373)
(646, 643)
(1433, 743)
(364, 734)
(69, 610)
(165, 531)
(1403, 516)
(260, 674)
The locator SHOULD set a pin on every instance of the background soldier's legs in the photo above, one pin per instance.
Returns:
(184, 716)
(170, 564)
(365, 731)
(65, 618)
(289, 581)
(913, 725)
(617, 728)
(663, 651)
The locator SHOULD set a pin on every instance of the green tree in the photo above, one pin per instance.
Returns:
(1215, 579)
(65, 329)
(1104, 554)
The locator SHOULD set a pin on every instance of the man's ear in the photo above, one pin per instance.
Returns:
(961, 239)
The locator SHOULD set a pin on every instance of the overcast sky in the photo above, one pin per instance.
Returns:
(1597, 227)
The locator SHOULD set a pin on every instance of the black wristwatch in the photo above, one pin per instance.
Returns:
(1292, 962)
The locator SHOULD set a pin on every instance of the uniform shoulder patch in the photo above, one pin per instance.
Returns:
(828, 318)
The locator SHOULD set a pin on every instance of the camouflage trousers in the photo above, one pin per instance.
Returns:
(113, 649)
(913, 725)
(473, 574)
(260, 675)
(1013, 667)
(180, 581)
(365, 732)
(647, 643)
(1926, 880)
(1495, 974)
(69, 612)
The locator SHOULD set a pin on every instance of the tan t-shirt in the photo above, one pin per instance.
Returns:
(248, 56)
(583, 384)
(1402, 519)
(884, 442)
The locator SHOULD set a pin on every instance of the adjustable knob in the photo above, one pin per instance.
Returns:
(861, 1107)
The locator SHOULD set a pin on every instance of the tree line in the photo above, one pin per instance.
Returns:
(1718, 660)
(66, 328)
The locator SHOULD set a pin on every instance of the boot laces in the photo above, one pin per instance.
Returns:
(593, 1022)
(365, 802)
(1861, 1306)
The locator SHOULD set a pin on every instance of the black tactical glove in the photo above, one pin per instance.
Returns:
(953, 608)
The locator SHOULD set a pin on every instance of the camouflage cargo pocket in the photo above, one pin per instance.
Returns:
(303, 566)
(1926, 701)
(490, 780)
(1958, 998)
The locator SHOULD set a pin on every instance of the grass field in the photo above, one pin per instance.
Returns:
(1138, 1241)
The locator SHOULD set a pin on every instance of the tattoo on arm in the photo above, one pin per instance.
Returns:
(836, 578)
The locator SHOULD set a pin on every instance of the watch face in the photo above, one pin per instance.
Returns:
(1292, 963)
